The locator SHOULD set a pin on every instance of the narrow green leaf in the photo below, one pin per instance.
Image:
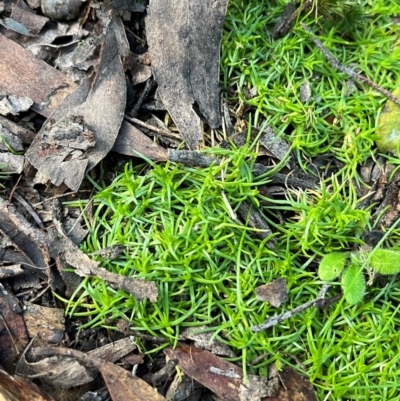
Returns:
(332, 265)
(385, 261)
(353, 284)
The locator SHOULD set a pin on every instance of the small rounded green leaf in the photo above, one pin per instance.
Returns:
(353, 284)
(332, 265)
(388, 132)
(385, 261)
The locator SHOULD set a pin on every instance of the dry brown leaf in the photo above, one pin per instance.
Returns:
(295, 387)
(23, 75)
(83, 129)
(222, 377)
(30, 241)
(120, 383)
(67, 372)
(275, 292)
(16, 388)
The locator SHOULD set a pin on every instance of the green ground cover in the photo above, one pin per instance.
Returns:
(179, 232)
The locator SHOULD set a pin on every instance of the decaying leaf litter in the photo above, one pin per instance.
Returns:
(84, 103)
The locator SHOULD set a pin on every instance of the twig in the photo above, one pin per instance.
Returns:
(272, 321)
(346, 70)
(14, 189)
(164, 132)
(283, 25)
(61, 196)
(29, 209)
(150, 84)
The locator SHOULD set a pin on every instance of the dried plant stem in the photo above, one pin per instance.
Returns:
(272, 321)
(346, 70)
(150, 127)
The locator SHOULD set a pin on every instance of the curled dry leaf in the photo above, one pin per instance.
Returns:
(16, 388)
(120, 383)
(67, 372)
(83, 129)
(24, 75)
(30, 241)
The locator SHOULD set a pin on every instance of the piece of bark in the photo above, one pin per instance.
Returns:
(33, 22)
(33, 3)
(184, 387)
(13, 334)
(9, 140)
(295, 387)
(83, 129)
(45, 323)
(122, 385)
(192, 158)
(206, 19)
(61, 9)
(274, 144)
(21, 74)
(184, 39)
(257, 388)
(86, 267)
(205, 340)
(10, 271)
(222, 377)
(168, 36)
(282, 26)
(140, 72)
(24, 134)
(14, 105)
(14, 164)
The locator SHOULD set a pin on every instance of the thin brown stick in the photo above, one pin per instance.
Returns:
(283, 26)
(346, 70)
(274, 320)
(150, 127)
(29, 209)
